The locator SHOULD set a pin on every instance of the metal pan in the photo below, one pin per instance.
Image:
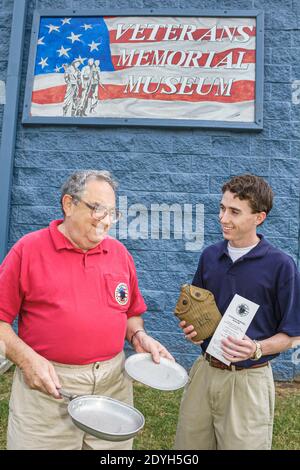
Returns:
(5, 364)
(104, 417)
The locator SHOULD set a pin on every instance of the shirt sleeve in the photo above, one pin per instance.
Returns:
(10, 289)
(288, 296)
(198, 279)
(137, 304)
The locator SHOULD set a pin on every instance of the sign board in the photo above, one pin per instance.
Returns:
(162, 69)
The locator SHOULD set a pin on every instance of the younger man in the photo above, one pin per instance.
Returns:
(232, 407)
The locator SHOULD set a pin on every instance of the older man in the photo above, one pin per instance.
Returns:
(76, 292)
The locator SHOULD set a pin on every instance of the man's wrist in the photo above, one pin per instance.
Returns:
(257, 354)
(254, 351)
(24, 357)
(139, 330)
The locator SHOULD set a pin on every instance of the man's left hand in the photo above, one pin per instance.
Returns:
(145, 343)
(236, 350)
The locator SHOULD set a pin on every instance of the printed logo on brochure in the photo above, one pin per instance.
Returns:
(242, 310)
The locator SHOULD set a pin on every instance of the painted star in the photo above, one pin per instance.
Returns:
(86, 26)
(40, 41)
(94, 46)
(66, 21)
(74, 37)
(57, 69)
(81, 59)
(62, 51)
(43, 62)
(52, 28)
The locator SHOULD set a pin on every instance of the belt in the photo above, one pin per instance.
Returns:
(213, 362)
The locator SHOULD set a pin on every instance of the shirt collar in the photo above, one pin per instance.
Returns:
(62, 243)
(257, 252)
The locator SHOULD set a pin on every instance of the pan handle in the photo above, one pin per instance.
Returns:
(65, 394)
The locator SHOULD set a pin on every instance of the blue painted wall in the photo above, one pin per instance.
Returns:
(171, 165)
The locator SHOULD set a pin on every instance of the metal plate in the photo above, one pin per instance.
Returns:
(106, 418)
(5, 364)
(167, 375)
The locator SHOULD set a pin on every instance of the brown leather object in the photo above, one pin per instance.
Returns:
(213, 362)
(197, 307)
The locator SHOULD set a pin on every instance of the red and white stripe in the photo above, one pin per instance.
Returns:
(156, 100)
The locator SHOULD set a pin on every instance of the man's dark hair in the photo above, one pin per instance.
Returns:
(253, 189)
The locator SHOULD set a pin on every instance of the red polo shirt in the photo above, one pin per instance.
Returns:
(73, 306)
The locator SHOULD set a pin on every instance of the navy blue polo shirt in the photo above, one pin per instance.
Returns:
(266, 276)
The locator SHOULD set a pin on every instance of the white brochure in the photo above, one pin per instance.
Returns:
(235, 323)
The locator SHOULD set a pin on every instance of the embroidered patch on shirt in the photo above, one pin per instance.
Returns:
(121, 293)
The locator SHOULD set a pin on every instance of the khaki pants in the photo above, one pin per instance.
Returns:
(226, 410)
(38, 421)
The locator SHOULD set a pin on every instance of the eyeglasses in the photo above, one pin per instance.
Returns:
(99, 212)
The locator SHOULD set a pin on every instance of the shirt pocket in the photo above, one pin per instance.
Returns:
(117, 291)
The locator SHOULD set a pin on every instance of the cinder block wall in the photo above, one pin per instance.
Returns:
(155, 165)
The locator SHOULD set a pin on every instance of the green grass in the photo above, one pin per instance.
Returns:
(287, 417)
(5, 385)
(161, 411)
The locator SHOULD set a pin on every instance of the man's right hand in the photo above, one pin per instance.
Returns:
(189, 332)
(39, 374)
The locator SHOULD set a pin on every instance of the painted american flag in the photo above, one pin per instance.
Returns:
(146, 67)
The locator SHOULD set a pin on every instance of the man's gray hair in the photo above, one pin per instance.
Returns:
(76, 183)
